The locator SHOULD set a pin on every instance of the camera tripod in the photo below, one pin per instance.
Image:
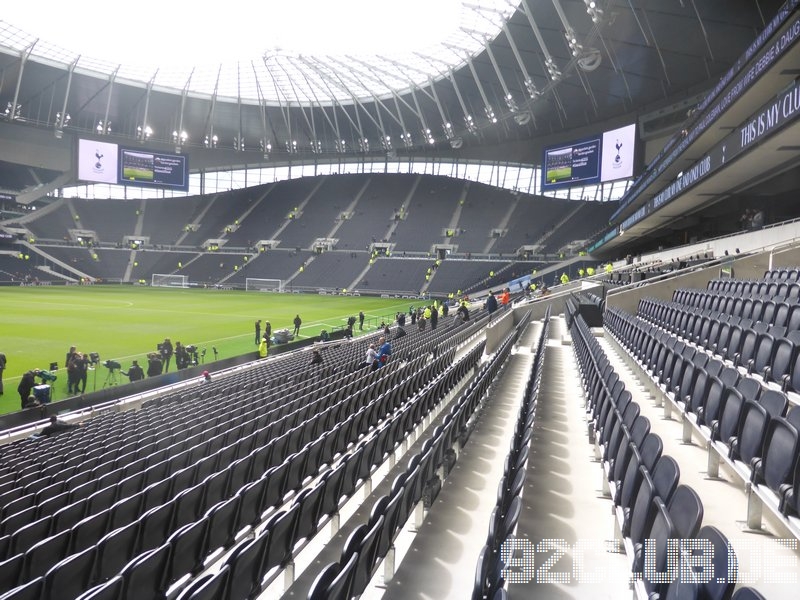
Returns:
(112, 378)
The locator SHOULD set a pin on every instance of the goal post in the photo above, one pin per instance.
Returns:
(163, 280)
(253, 284)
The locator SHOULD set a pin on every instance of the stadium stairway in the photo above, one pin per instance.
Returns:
(441, 560)
(562, 503)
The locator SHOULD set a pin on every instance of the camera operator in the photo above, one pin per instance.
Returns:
(166, 354)
(25, 387)
(135, 373)
(81, 362)
(154, 365)
(181, 356)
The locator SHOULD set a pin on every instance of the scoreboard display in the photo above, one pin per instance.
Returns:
(105, 162)
(606, 157)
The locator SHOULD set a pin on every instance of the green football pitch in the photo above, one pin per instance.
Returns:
(560, 174)
(123, 323)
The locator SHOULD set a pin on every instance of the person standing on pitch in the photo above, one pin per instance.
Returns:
(297, 323)
(268, 332)
(258, 332)
(2, 368)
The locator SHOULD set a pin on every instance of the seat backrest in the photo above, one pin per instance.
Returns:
(793, 320)
(145, 576)
(762, 357)
(642, 509)
(245, 562)
(781, 315)
(650, 450)
(729, 415)
(71, 576)
(665, 476)
(774, 402)
(747, 593)
(734, 345)
(639, 430)
(282, 529)
(751, 432)
(367, 551)
(660, 532)
(793, 417)
(207, 587)
(686, 511)
(695, 397)
(724, 562)
(748, 345)
(780, 453)
(110, 590)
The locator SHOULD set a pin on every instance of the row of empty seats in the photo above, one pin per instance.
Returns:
(651, 506)
(489, 582)
(744, 425)
(229, 456)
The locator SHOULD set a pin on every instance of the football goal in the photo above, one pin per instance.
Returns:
(161, 280)
(253, 284)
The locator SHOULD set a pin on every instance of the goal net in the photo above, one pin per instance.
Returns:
(253, 284)
(160, 280)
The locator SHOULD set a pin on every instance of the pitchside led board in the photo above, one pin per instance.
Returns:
(606, 157)
(104, 162)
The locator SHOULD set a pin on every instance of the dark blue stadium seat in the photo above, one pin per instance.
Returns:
(335, 581)
(188, 549)
(31, 590)
(281, 541)
(207, 587)
(685, 511)
(146, 575)
(110, 590)
(245, 563)
(70, 577)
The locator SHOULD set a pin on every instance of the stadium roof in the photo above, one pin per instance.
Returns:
(502, 77)
(267, 51)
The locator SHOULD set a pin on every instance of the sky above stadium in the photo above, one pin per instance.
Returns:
(276, 51)
(180, 32)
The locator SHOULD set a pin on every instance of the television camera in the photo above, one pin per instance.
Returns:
(45, 376)
(194, 353)
(113, 366)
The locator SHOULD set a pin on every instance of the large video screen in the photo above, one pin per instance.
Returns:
(142, 167)
(607, 157)
(105, 162)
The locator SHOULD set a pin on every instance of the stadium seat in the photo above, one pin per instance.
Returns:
(281, 528)
(245, 563)
(70, 577)
(685, 511)
(335, 581)
(188, 549)
(145, 576)
(207, 587)
(110, 590)
(30, 590)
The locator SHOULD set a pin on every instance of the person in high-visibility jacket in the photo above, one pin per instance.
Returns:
(262, 348)
(564, 278)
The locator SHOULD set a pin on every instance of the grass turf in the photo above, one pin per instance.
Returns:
(123, 323)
